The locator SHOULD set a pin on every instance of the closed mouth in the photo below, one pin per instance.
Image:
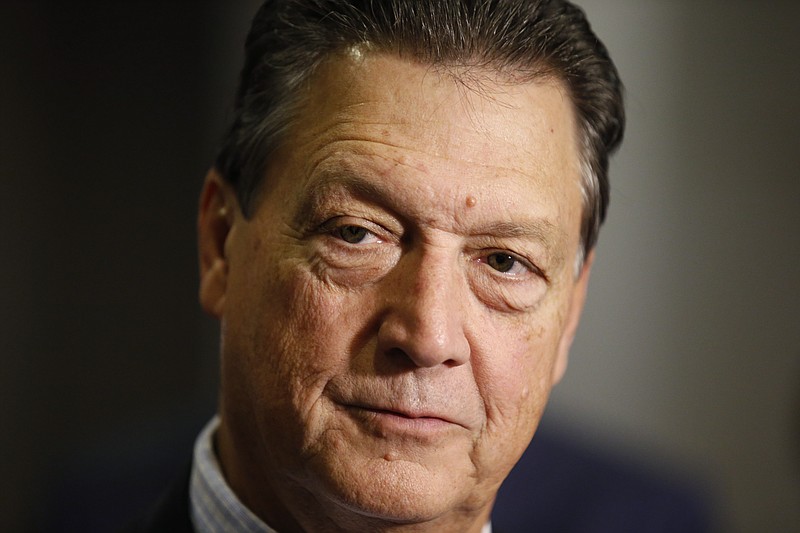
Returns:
(416, 418)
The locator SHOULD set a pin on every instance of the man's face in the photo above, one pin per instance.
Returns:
(401, 301)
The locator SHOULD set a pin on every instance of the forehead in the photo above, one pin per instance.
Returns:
(443, 108)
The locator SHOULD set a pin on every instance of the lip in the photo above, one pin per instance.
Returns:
(399, 421)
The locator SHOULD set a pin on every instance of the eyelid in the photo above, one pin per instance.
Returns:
(527, 263)
(339, 221)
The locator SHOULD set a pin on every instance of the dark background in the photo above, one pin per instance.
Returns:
(110, 113)
(689, 356)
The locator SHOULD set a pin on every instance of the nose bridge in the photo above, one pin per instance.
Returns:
(425, 319)
(433, 292)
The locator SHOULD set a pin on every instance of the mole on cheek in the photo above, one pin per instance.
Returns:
(471, 201)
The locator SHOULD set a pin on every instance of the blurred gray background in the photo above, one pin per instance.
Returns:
(688, 360)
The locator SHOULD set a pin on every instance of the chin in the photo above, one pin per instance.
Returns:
(397, 491)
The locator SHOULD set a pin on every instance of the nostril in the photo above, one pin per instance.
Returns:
(399, 358)
(396, 353)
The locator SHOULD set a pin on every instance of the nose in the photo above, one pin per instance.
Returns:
(425, 314)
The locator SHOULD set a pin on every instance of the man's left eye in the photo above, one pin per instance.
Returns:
(505, 263)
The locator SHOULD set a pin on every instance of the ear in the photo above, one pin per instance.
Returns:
(216, 213)
(577, 300)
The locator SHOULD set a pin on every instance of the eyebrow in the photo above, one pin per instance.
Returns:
(319, 190)
(540, 229)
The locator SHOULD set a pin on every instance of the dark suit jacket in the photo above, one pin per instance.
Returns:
(171, 512)
(564, 485)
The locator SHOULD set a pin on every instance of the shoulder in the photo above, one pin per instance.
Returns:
(170, 513)
(563, 484)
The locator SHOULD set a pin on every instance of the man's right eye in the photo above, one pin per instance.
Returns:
(352, 234)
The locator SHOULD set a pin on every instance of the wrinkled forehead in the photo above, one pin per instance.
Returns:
(445, 105)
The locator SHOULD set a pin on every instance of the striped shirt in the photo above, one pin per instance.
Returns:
(214, 506)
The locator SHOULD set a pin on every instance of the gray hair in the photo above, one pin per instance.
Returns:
(523, 39)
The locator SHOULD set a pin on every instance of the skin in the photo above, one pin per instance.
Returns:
(401, 301)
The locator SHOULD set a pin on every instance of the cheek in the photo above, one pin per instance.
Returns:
(515, 379)
(279, 341)
(519, 383)
(306, 335)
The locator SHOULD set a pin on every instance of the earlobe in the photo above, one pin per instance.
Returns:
(573, 318)
(214, 223)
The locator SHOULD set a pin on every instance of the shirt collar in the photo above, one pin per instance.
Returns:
(214, 506)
